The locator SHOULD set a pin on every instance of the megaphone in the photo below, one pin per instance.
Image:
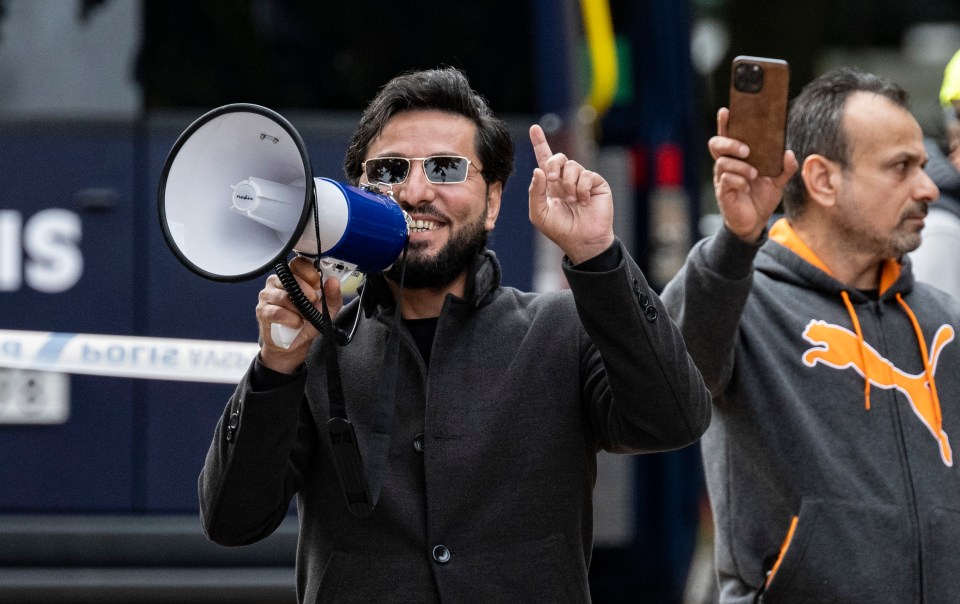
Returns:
(237, 196)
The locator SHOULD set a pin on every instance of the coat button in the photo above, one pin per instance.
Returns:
(643, 299)
(418, 443)
(233, 424)
(651, 313)
(441, 554)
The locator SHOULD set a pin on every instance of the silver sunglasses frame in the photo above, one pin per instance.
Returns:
(423, 166)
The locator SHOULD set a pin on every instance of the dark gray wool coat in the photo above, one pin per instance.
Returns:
(487, 488)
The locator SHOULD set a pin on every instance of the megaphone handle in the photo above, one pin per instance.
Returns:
(282, 335)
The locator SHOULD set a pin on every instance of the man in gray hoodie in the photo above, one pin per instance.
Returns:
(835, 376)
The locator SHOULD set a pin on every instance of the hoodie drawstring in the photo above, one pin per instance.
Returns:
(928, 370)
(924, 355)
(863, 348)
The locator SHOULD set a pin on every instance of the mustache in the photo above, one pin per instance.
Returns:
(422, 210)
(919, 210)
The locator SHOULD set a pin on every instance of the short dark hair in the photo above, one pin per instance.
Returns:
(445, 89)
(815, 123)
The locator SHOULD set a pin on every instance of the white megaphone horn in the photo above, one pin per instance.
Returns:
(237, 195)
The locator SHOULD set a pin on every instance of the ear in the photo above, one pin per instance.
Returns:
(494, 193)
(821, 179)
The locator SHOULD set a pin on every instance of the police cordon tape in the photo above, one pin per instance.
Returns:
(127, 356)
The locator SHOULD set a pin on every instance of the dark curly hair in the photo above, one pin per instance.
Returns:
(444, 89)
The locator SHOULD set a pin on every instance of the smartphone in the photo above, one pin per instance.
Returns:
(758, 110)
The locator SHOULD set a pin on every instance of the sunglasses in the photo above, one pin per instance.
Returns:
(439, 169)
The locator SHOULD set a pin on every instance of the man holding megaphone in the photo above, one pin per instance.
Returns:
(465, 470)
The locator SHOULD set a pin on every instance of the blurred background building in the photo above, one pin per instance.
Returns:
(98, 472)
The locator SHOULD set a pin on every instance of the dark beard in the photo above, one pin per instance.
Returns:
(451, 262)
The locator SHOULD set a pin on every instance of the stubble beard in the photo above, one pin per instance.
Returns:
(906, 238)
(903, 239)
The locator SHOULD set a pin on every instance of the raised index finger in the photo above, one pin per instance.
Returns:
(541, 148)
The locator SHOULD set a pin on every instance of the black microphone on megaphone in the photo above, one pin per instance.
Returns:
(237, 196)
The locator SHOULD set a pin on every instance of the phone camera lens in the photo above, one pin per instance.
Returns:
(748, 77)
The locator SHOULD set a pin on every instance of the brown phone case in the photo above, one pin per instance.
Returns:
(758, 110)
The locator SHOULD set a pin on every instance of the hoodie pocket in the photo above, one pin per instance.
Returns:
(843, 551)
(941, 557)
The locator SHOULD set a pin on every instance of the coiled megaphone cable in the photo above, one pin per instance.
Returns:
(308, 310)
(359, 493)
(289, 282)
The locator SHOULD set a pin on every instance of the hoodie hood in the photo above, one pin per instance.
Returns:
(793, 260)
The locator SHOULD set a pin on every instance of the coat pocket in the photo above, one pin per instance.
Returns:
(531, 571)
(380, 577)
(843, 551)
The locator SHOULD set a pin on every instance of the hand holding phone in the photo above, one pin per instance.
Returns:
(759, 89)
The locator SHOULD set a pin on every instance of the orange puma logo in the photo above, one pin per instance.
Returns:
(839, 348)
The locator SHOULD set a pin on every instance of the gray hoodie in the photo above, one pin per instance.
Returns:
(825, 486)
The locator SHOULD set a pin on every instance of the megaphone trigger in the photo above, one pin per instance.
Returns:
(350, 280)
